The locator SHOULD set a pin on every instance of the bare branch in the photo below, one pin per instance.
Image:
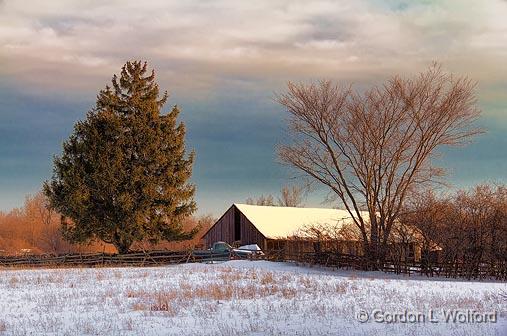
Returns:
(372, 148)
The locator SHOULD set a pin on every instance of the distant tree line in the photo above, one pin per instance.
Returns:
(470, 226)
(35, 228)
(462, 234)
(290, 196)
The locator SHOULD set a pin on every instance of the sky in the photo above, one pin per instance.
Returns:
(222, 63)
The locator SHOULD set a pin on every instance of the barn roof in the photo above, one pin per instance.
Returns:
(281, 222)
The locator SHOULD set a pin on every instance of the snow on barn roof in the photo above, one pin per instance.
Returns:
(281, 222)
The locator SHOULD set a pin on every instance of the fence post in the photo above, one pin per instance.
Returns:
(189, 255)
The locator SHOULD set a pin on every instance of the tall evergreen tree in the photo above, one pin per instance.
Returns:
(123, 175)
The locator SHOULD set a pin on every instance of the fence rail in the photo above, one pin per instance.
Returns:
(491, 270)
(483, 270)
(148, 258)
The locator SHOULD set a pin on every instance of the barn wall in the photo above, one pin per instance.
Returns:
(224, 230)
(250, 234)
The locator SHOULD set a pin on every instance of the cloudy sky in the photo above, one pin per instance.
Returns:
(222, 61)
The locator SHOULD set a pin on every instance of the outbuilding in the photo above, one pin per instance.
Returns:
(286, 228)
(271, 227)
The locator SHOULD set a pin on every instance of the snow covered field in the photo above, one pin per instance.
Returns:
(241, 298)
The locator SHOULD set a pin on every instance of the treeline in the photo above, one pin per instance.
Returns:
(36, 229)
(290, 196)
(33, 228)
(463, 234)
(469, 226)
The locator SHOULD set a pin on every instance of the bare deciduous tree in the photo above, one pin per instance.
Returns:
(469, 226)
(291, 196)
(261, 200)
(371, 148)
(46, 222)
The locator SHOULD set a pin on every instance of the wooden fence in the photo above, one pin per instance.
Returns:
(479, 271)
(148, 258)
(482, 271)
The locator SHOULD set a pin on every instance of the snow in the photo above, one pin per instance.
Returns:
(279, 222)
(235, 298)
(251, 247)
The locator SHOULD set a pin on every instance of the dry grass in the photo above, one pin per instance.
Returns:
(164, 302)
(13, 282)
(216, 299)
(233, 286)
(341, 288)
(267, 279)
(99, 276)
(223, 286)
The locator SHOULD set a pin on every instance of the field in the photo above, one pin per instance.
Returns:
(241, 298)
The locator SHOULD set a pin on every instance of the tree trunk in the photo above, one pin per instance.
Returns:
(374, 253)
(122, 247)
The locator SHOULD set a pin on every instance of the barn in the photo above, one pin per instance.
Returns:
(272, 227)
(277, 228)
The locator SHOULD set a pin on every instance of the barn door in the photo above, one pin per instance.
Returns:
(237, 225)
